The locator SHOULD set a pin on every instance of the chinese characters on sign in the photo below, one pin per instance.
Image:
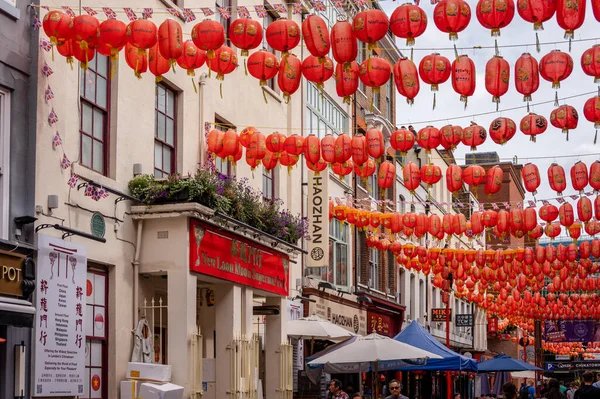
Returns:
(382, 324)
(464, 320)
(492, 325)
(60, 340)
(439, 314)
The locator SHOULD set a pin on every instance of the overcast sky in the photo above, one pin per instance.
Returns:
(550, 143)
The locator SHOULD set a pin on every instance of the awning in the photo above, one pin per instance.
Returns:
(16, 312)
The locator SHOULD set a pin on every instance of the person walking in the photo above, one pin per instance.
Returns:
(335, 390)
(509, 390)
(395, 388)
(553, 389)
(587, 390)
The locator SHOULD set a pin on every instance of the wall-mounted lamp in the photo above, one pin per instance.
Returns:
(20, 361)
(52, 201)
(137, 169)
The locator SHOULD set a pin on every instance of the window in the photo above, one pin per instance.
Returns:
(96, 350)
(268, 20)
(94, 121)
(226, 22)
(4, 160)
(268, 183)
(372, 186)
(224, 167)
(164, 131)
(359, 60)
(391, 273)
(374, 268)
(411, 290)
(388, 100)
(323, 116)
(338, 252)
(401, 204)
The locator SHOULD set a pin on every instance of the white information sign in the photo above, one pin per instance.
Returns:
(60, 324)
(318, 218)
(347, 317)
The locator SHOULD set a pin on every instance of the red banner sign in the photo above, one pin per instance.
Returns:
(492, 325)
(382, 324)
(232, 258)
(441, 314)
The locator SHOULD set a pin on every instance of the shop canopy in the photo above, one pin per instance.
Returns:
(417, 336)
(505, 363)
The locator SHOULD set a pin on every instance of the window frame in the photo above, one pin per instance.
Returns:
(342, 239)
(174, 118)
(374, 268)
(5, 123)
(325, 111)
(222, 125)
(266, 176)
(102, 271)
(83, 100)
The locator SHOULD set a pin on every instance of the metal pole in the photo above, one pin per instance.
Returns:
(449, 393)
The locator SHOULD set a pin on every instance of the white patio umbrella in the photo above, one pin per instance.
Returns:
(314, 327)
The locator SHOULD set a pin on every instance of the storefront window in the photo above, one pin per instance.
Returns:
(96, 345)
(338, 252)
(374, 268)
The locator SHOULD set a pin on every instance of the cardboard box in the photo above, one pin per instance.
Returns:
(156, 391)
(148, 372)
(129, 389)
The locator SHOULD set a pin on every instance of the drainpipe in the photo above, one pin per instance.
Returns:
(136, 270)
(201, 145)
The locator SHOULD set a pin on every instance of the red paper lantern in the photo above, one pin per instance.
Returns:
(276, 143)
(359, 149)
(316, 70)
(316, 167)
(566, 216)
(473, 136)
(224, 62)
(215, 141)
(452, 16)
(246, 34)
(258, 146)
(533, 125)
(434, 70)
(408, 21)
(269, 161)
(536, 11)
(527, 77)
(493, 180)
(375, 143)
(495, 14)
(591, 111)
(85, 32)
(142, 34)
(556, 66)
(531, 177)
(374, 72)
(208, 35)
(428, 138)
(283, 35)
(57, 26)
(246, 135)
(564, 117)
(312, 149)
(343, 43)
(294, 144)
(402, 140)
(346, 81)
(454, 181)
(463, 77)
(594, 177)
(192, 58)
(579, 176)
(474, 175)
(411, 176)
(450, 136)
(584, 209)
(65, 48)
(157, 64)
(316, 36)
(590, 62)
(289, 76)
(342, 148)
(430, 174)
(343, 169)
(502, 130)
(136, 60)
(556, 178)
(570, 15)
(406, 78)
(288, 160)
(111, 34)
(386, 175)
(327, 148)
(548, 213)
(370, 26)
(170, 40)
(497, 75)
(231, 143)
(365, 170)
(263, 65)
(596, 9)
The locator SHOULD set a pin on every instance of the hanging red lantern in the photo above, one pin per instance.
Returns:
(312, 149)
(536, 11)
(596, 9)
(527, 76)
(495, 14)
(316, 36)
(170, 40)
(375, 72)
(594, 176)
(269, 161)
(591, 111)
(343, 169)
(111, 34)
(346, 81)
(57, 26)
(85, 32)
(533, 125)
(208, 35)
(192, 58)
(317, 71)
(157, 64)
(136, 60)
(365, 170)
(564, 117)
(450, 136)
(430, 174)
(327, 148)
(463, 77)
(411, 177)
(386, 175)
(473, 136)
(359, 149)
(556, 178)
(428, 138)
(530, 219)
(288, 160)
(493, 180)
(258, 146)
(579, 176)
(408, 21)
(317, 167)
(224, 62)
(215, 141)
(342, 148)
(231, 143)
(283, 35)
(556, 66)
(548, 213)
(289, 76)
(142, 34)
(246, 34)
(370, 26)
(531, 177)
(402, 140)
(406, 78)
(275, 143)
(452, 16)
(584, 209)
(294, 144)
(263, 65)
(434, 70)
(473, 175)
(375, 143)
(566, 216)
(570, 15)
(502, 130)
(590, 62)
(343, 43)
(552, 230)
(497, 75)
(246, 135)
(66, 50)
(454, 180)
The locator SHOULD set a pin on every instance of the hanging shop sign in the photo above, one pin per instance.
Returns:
(492, 324)
(11, 274)
(382, 324)
(440, 314)
(60, 306)
(348, 317)
(229, 257)
(571, 331)
(463, 320)
(318, 208)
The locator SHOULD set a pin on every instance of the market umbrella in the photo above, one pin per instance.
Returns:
(499, 380)
(314, 327)
(505, 363)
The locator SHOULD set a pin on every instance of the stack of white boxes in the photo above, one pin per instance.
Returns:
(149, 381)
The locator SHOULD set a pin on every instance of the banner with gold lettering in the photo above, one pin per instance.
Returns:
(318, 200)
